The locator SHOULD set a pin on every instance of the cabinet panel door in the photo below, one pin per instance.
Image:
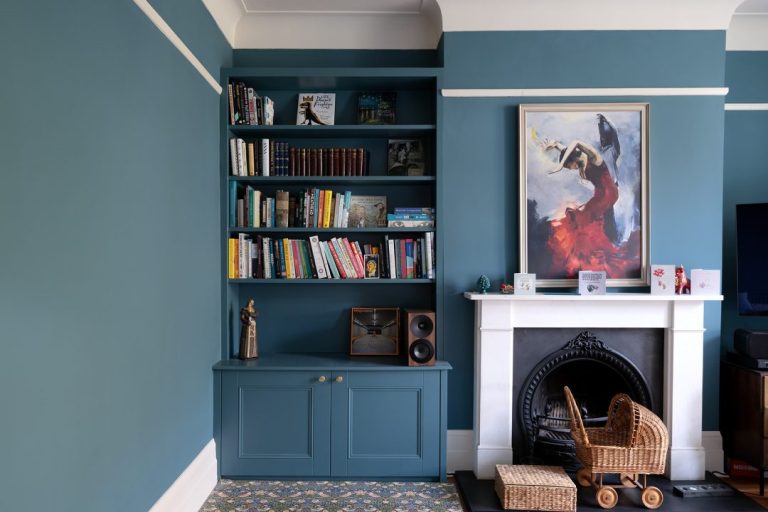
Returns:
(386, 424)
(275, 424)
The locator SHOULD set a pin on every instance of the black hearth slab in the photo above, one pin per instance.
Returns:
(480, 496)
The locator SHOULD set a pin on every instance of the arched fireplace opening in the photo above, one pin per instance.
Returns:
(595, 373)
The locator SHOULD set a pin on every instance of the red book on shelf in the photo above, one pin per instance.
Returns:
(337, 260)
(356, 257)
(292, 162)
(361, 161)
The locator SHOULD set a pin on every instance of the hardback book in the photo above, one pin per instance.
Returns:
(705, 282)
(316, 108)
(367, 211)
(281, 209)
(405, 157)
(662, 279)
(269, 111)
(329, 261)
(314, 243)
(591, 282)
(524, 284)
(376, 108)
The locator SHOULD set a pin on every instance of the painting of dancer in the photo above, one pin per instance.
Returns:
(583, 192)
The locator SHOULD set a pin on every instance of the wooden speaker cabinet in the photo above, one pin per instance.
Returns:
(419, 336)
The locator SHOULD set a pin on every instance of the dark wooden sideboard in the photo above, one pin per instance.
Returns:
(744, 415)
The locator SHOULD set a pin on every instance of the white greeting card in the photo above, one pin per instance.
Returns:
(662, 279)
(591, 282)
(525, 284)
(705, 282)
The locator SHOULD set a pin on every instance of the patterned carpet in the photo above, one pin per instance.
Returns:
(268, 496)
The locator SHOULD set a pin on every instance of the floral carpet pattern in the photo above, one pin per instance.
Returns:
(284, 496)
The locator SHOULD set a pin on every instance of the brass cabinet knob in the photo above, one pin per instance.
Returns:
(321, 378)
(339, 379)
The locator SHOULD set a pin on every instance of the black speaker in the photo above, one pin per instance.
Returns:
(751, 343)
(419, 336)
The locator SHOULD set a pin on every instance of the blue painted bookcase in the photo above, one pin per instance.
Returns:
(304, 408)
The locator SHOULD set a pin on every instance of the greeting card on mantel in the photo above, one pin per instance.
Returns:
(662, 279)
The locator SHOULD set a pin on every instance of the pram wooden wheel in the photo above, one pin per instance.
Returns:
(628, 479)
(584, 477)
(652, 497)
(607, 497)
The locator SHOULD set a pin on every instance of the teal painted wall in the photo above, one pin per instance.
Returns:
(746, 180)
(109, 262)
(480, 169)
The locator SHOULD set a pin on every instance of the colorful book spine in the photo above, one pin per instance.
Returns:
(336, 259)
(314, 243)
(329, 261)
(355, 257)
(327, 196)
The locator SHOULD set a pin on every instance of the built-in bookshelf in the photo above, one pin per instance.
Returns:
(317, 220)
(300, 159)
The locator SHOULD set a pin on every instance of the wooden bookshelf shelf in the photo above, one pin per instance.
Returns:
(319, 231)
(381, 280)
(335, 131)
(334, 180)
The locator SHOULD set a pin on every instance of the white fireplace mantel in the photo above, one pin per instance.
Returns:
(682, 318)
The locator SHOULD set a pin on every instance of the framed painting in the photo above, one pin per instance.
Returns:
(584, 192)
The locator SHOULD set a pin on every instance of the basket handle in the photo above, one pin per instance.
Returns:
(577, 425)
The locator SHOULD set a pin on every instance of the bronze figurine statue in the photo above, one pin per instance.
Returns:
(248, 342)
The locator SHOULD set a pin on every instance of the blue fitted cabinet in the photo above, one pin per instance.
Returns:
(332, 416)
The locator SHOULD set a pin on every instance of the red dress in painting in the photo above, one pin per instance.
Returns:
(578, 240)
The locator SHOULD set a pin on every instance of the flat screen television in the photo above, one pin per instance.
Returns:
(752, 258)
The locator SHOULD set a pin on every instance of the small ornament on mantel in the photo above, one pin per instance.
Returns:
(682, 284)
(483, 284)
(249, 348)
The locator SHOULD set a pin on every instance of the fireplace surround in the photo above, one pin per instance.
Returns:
(681, 317)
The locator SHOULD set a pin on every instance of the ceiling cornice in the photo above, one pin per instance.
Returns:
(288, 24)
(497, 15)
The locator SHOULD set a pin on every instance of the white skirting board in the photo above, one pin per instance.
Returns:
(461, 454)
(192, 487)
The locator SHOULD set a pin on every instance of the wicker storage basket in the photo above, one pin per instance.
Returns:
(523, 487)
(634, 440)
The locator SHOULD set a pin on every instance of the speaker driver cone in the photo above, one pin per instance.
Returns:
(421, 351)
(421, 326)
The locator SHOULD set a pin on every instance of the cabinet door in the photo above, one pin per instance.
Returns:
(275, 424)
(386, 424)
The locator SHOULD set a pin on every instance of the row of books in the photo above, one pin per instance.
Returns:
(264, 157)
(309, 208)
(263, 257)
(247, 107)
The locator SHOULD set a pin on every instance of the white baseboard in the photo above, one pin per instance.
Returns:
(191, 489)
(461, 452)
(713, 447)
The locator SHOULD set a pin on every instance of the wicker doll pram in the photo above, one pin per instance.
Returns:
(632, 443)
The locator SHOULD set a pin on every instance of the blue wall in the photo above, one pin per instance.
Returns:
(480, 169)
(109, 263)
(746, 180)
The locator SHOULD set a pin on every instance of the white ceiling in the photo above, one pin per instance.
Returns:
(418, 24)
